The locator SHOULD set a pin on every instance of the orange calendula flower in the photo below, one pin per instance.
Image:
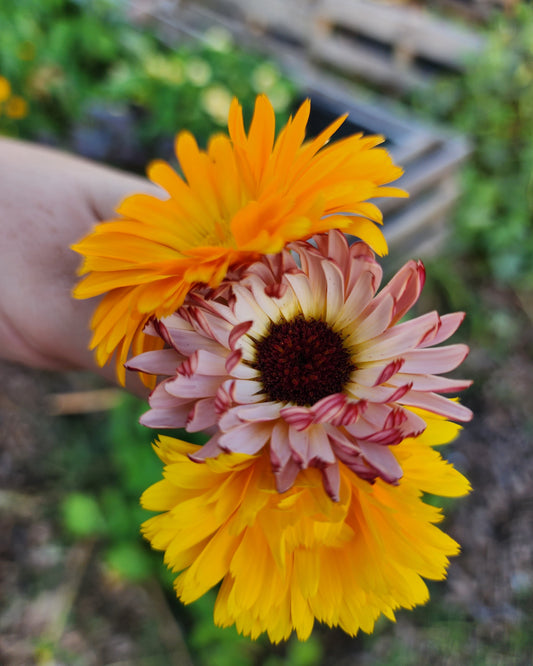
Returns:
(286, 559)
(248, 195)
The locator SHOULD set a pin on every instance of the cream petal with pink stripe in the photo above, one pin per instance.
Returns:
(302, 354)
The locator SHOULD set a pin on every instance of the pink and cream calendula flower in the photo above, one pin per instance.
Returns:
(309, 359)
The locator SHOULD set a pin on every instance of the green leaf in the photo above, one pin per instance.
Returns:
(81, 515)
(129, 561)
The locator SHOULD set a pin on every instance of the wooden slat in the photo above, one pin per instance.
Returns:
(291, 17)
(295, 14)
(474, 10)
(428, 172)
(84, 402)
(410, 28)
(408, 139)
(362, 62)
(422, 218)
(421, 230)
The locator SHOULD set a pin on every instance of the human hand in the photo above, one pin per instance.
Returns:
(48, 201)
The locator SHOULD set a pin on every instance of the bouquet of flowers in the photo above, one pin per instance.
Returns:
(248, 298)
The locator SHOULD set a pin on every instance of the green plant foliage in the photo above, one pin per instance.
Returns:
(56, 53)
(129, 560)
(98, 85)
(299, 653)
(493, 104)
(213, 645)
(82, 516)
(112, 460)
(131, 450)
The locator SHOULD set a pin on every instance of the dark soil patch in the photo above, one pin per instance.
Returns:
(59, 604)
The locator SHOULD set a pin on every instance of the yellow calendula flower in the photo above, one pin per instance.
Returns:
(16, 108)
(286, 559)
(5, 89)
(249, 194)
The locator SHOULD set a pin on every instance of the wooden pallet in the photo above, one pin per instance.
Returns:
(414, 227)
(391, 44)
(394, 45)
(285, 20)
(477, 11)
(418, 226)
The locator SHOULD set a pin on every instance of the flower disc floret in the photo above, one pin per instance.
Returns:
(302, 361)
(392, 369)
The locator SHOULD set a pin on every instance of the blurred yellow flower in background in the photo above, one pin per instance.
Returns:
(164, 69)
(216, 101)
(218, 39)
(11, 106)
(16, 108)
(5, 89)
(198, 71)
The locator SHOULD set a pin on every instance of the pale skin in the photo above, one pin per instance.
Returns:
(48, 201)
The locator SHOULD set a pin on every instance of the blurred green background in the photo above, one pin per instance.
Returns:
(79, 75)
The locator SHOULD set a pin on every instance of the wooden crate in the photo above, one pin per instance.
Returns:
(393, 45)
(418, 226)
(275, 21)
(477, 11)
(414, 227)
(284, 20)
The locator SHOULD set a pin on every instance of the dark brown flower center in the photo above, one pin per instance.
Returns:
(302, 361)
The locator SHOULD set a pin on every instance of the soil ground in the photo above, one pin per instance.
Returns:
(59, 605)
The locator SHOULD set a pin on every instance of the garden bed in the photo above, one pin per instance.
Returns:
(62, 602)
